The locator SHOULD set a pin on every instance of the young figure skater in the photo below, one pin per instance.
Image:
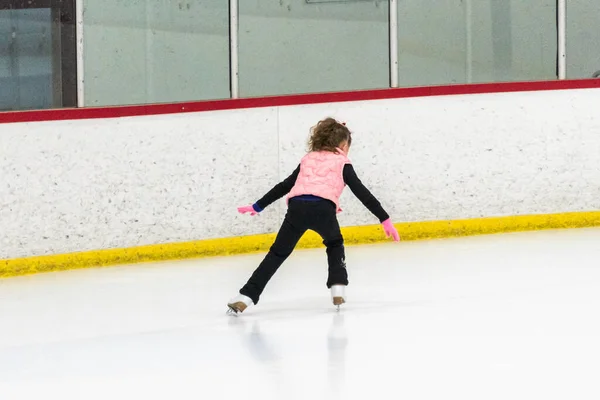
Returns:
(313, 190)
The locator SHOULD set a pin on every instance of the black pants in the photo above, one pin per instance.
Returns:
(319, 216)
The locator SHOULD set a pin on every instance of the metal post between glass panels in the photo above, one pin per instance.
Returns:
(233, 50)
(469, 44)
(562, 39)
(79, 53)
(393, 43)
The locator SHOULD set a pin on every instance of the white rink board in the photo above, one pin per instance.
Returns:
(94, 184)
(133, 181)
(467, 156)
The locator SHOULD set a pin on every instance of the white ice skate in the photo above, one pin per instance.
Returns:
(238, 304)
(338, 295)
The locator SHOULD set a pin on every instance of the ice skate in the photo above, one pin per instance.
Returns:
(238, 304)
(338, 295)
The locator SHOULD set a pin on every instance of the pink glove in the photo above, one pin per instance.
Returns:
(247, 209)
(390, 230)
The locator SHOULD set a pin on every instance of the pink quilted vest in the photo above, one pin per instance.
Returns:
(321, 174)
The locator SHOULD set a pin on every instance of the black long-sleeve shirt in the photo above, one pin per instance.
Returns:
(350, 178)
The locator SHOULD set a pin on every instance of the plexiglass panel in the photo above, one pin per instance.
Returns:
(26, 59)
(583, 39)
(153, 51)
(295, 46)
(463, 41)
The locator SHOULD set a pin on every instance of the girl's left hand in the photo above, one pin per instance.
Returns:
(247, 209)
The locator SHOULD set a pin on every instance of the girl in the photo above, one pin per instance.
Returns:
(313, 189)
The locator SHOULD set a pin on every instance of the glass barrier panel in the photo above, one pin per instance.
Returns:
(304, 46)
(37, 55)
(465, 41)
(155, 51)
(583, 39)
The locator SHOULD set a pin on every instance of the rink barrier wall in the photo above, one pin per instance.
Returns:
(77, 184)
(357, 235)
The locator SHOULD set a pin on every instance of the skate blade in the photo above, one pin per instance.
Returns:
(236, 308)
(232, 312)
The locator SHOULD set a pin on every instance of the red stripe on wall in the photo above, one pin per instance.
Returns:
(273, 101)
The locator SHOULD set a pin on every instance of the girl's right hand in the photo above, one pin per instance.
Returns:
(390, 230)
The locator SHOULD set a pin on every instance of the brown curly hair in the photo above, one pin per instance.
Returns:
(327, 135)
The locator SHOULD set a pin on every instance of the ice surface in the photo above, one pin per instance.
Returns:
(492, 317)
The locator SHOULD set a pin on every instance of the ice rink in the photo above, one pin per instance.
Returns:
(512, 316)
